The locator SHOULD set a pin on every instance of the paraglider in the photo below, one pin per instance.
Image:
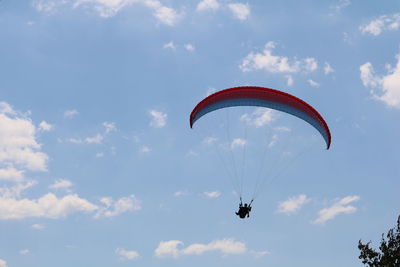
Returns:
(254, 96)
(244, 210)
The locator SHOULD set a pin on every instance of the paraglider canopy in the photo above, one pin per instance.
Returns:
(262, 97)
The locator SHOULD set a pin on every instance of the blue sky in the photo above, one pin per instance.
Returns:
(98, 164)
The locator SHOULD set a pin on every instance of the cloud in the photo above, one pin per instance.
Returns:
(109, 127)
(289, 80)
(339, 207)
(167, 249)
(3, 263)
(16, 190)
(97, 139)
(37, 226)
(113, 208)
(127, 254)
(99, 155)
(181, 193)
(61, 184)
(388, 85)
(189, 47)
(24, 251)
(11, 174)
(6, 108)
(240, 11)
(310, 64)
(341, 4)
(170, 248)
(313, 83)
(212, 194)
(209, 140)
(259, 118)
(165, 15)
(70, 113)
(45, 127)
(47, 6)
(282, 129)
(109, 8)
(293, 204)
(50, 206)
(158, 119)
(47, 206)
(18, 145)
(169, 45)
(328, 69)
(273, 141)
(238, 142)
(276, 64)
(145, 149)
(383, 23)
(207, 5)
(259, 254)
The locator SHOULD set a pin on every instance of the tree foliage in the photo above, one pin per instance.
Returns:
(389, 250)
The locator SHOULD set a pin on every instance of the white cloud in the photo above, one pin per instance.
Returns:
(341, 4)
(169, 45)
(328, 69)
(189, 47)
(225, 246)
(209, 140)
(339, 207)
(181, 193)
(289, 80)
(16, 190)
(282, 129)
(97, 139)
(192, 153)
(259, 254)
(168, 249)
(159, 119)
(11, 174)
(70, 113)
(310, 64)
(47, 6)
(238, 142)
(293, 204)
(276, 64)
(207, 5)
(113, 208)
(3, 263)
(368, 77)
(165, 15)
(383, 23)
(212, 194)
(145, 149)
(75, 140)
(389, 84)
(45, 127)
(240, 11)
(109, 127)
(37, 226)
(18, 145)
(273, 140)
(99, 155)
(313, 83)
(259, 118)
(109, 8)
(24, 251)
(47, 206)
(127, 254)
(6, 108)
(61, 184)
